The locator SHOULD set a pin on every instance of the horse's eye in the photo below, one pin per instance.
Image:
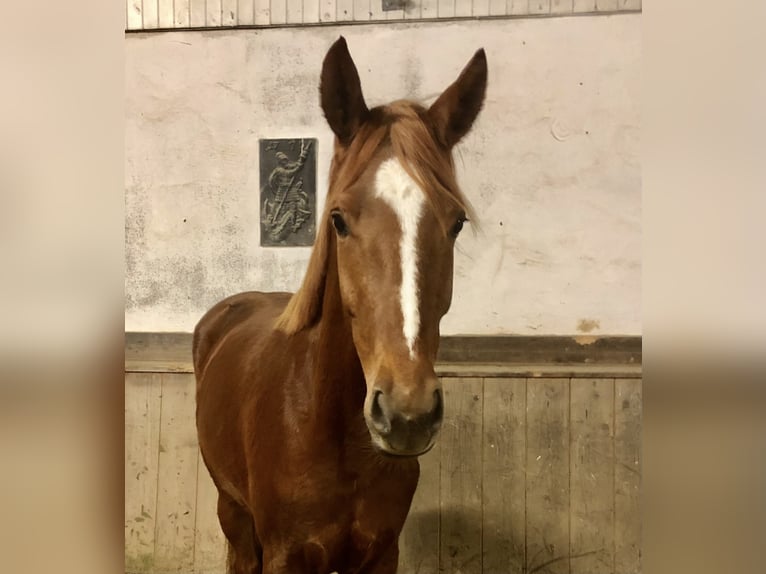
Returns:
(458, 227)
(339, 224)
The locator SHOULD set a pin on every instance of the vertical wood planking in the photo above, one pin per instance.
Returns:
(561, 6)
(547, 500)
(480, 8)
(362, 10)
(209, 541)
(262, 12)
(177, 476)
(627, 476)
(394, 14)
(294, 11)
(135, 16)
(412, 11)
(429, 8)
(497, 7)
(592, 477)
(150, 14)
(143, 398)
(446, 8)
(606, 5)
(504, 462)
(213, 13)
(278, 11)
(198, 13)
(181, 13)
(629, 5)
(584, 6)
(245, 12)
(228, 12)
(419, 541)
(165, 13)
(376, 10)
(310, 11)
(327, 10)
(517, 7)
(461, 476)
(463, 7)
(345, 10)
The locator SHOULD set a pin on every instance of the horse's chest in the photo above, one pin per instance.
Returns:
(358, 521)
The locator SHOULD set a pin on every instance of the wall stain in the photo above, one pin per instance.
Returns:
(412, 79)
(587, 325)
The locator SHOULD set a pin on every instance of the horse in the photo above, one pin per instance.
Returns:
(313, 407)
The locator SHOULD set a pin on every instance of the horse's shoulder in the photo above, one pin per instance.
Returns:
(251, 311)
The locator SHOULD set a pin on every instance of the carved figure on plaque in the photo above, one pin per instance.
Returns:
(288, 192)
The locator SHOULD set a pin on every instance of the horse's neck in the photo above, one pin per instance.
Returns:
(339, 387)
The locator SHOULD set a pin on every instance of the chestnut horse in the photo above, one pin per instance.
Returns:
(312, 408)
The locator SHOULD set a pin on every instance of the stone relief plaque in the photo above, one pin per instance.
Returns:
(288, 192)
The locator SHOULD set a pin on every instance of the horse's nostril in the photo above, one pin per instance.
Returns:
(438, 411)
(379, 419)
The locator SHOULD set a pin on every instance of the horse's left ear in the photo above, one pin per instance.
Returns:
(456, 109)
(341, 93)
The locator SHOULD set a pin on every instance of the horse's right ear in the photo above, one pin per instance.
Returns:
(341, 93)
(456, 109)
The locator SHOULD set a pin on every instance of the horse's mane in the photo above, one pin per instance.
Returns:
(407, 129)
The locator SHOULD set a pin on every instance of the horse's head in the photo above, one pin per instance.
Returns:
(392, 216)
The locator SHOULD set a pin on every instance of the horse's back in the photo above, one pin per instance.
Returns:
(253, 310)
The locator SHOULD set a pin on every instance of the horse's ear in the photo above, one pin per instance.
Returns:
(341, 93)
(456, 109)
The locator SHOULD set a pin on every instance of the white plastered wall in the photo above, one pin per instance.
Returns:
(552, 165)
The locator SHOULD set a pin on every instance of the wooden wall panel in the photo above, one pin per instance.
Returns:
(278, 11)
(429, 8)
(209, 542)
(165, 13)
(504, 475)
(345, 10)
(419, 541)
(213, 13)
(584, 5)
(463, 8)
(182, 14)
(198, 13)
(547, 500)
(592, 477)
(245, 12)
(539, 6)
(445, 8)
(537, 474)
(561, 6)
(627, 476)
(177, 475)
(461, 476)
(143, 396)
(135, 19)
(263, 12)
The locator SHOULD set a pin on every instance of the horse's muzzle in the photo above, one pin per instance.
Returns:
(399, 432)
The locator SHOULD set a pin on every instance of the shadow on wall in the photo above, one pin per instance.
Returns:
(488, 543)
(468, 542)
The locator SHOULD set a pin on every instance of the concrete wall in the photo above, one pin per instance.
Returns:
(552, 165)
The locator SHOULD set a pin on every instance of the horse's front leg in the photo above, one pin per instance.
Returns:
(385, 563)
(308, 558)
(380, 557)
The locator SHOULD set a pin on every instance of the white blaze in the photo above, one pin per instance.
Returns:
(394, 186)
